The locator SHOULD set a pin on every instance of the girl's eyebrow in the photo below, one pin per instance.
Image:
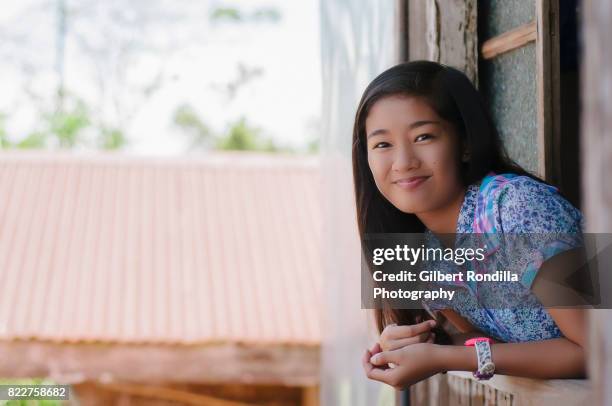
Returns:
(377, 132)
(411, 127)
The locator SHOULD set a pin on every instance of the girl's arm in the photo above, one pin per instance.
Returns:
(555, 358)
(547, 359)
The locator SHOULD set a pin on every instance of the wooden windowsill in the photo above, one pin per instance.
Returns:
(526, 391)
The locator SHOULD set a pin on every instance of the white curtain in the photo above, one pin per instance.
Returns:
(359, 39)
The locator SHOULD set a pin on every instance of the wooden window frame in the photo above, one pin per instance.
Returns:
(426, 38)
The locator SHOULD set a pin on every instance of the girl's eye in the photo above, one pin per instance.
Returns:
(422, 137)
(381, 145)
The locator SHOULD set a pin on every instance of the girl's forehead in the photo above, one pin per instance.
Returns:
(400, 109)
(402, 105)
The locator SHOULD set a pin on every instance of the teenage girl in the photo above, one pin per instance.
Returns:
(427, 158)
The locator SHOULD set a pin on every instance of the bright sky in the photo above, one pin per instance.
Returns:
(284, 101)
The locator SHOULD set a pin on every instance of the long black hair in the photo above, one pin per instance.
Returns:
(455, 99)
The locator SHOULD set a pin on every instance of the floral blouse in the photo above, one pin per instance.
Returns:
(500, 205)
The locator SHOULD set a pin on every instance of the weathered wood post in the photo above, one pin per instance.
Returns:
(597, 169)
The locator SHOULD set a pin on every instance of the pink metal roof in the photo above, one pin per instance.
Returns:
(221, 248)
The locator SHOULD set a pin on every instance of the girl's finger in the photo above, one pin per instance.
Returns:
(384, 358)
(365, 361)
(375, 348)
(382, 375)
(391, 345)
(398, 332)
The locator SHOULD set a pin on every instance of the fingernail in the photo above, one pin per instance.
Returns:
(373, 359)
(432, 323)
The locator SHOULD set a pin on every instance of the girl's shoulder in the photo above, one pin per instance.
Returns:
(520, 204)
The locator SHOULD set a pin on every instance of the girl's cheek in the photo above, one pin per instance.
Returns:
(377, 173)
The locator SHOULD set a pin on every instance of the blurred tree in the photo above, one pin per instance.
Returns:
(112, 41)
(109, 39)
(313, 126)
(226, 13)
(67, 125)
(187, 119)
(34, 140)
(4, 141)
(313, 146)
(111, 138)
(243, 137)
(233, 14)
(267, 13)
(244, 76)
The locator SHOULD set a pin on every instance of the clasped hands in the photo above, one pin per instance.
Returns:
(404, 355)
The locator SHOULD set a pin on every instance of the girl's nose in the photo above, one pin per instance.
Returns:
(405, 159)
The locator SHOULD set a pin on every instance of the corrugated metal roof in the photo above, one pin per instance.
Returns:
(221, 248)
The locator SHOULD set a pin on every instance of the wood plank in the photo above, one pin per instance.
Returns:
(169, 394)
(477, 393)
(504, 399)
(548, 88)
(403, 22)
(596, 154)
(509, 41)
(418, 48)
(439, 394)
(490, 396)
(458, 390)
(419, 393)
(538, 392)
(445, 34)
(242, 364)
(310, 396)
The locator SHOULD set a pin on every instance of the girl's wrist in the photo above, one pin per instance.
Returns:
(454, 358)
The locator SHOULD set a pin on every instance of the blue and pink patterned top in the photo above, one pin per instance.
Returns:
(498, 205)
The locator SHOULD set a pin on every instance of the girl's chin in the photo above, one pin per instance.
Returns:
(411, 208)
(408, 209)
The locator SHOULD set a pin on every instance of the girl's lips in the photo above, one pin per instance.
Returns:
(411, 183)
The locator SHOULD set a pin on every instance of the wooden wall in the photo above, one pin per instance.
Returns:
(596, 143)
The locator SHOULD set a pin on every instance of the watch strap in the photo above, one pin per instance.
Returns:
(486, 367)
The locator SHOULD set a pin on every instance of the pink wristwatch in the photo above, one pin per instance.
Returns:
(486, 367)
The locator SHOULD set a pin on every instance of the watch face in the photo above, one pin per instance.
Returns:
(488, 368)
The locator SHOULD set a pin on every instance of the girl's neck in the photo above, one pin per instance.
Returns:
(443, 220)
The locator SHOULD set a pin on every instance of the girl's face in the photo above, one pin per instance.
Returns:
(413, 154)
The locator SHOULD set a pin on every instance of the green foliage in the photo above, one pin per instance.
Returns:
(226, 13)
(270, 14)
(187, 119)
(4, 141)
(313, 145)
(243, 137)
(235, 15)
(35, 140)
(67, 126)
(111, 139)
(240, 135)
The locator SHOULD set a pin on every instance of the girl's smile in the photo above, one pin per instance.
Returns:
(411, 183)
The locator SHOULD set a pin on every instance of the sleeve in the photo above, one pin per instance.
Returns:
(540, 221)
